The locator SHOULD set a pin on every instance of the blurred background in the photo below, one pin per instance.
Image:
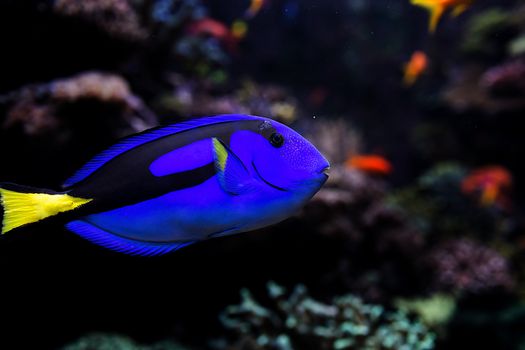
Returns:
(417, 241)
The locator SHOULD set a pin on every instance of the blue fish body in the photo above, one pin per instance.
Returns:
(172, 186)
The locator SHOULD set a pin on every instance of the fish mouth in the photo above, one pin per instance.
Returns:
(266, 181)
(324, 173)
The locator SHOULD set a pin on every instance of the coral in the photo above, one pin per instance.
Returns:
(465, 266)
(40, 108)
(100, 86)
(193, 97)
(336, 139)
(473, 92)
(297, 321)
(517, 46)
(491, 36)
(101, 341)
(174, 13)
(377, 241)
(437, 206)
(434, 311)
(116, 17)
(268, 99)
(68, 119)
(486, 31)
(506, 80)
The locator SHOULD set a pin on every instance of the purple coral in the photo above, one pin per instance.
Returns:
(507, 79)
(466, 266)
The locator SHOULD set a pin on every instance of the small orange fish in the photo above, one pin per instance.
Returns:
(255, 7)
(417, 65)
(438, 7)
(371, 163)
(491, 182)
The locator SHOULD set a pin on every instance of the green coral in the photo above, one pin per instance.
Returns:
(434, 311)
(517, 46)
(101, 341)
(297, 321)
(484, 32)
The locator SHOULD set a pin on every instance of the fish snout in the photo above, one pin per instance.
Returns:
(325, 170)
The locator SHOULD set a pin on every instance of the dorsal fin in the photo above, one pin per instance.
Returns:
(145, 137)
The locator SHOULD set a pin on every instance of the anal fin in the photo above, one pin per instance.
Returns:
(121, 244)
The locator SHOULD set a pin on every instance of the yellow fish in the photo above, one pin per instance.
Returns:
(438, 7)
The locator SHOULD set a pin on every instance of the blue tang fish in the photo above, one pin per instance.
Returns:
(168, 187)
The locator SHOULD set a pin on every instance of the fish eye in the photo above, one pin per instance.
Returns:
(276, 139)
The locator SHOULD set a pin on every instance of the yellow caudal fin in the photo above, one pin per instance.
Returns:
(20, 208)
(436, 11)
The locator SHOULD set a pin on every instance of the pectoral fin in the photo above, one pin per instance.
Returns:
(233, 176)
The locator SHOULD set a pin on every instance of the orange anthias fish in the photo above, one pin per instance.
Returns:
(491, 182)
(371, 163)
(438, 7)
(255, 7)
(417, 65)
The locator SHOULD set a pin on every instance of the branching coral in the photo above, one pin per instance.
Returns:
(297, 321)
(465, 266)
(101, 341)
